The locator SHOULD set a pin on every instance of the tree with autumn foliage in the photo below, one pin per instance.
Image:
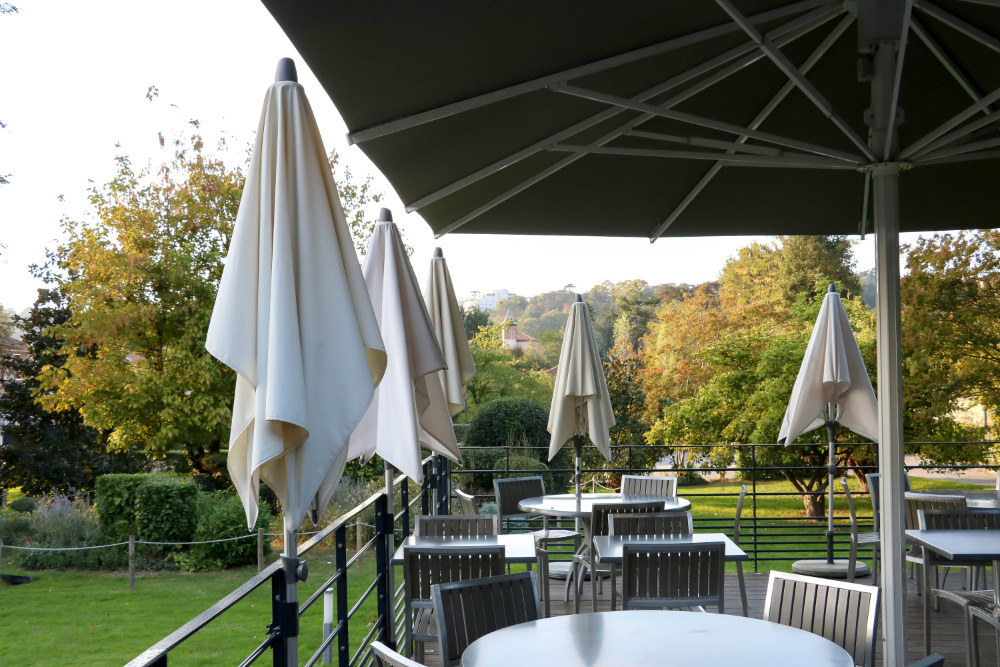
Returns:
(721, 364)
(951, 340)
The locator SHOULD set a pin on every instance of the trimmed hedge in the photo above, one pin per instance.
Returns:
(221, 515)
(158, 507)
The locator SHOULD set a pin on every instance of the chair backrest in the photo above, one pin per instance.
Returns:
(456, 525)
(914, 502)
(644, 485)
(967, 519)
(739, 512)
(512, 491)
(684, 575)
(850, 505)
(425, 566)
(600, 512)
(651, 523)
(845, 613)
(384, 656)
(875, 492)
(467, 610)
(467, 502)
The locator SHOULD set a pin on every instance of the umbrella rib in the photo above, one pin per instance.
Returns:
(950, 65)
(897, 77)
(784, 160)
(786, 66)
(970, 157)
(769, 108)
(734, 146)
(785, 33)
(960, 149)
(864, 203)
(468, 104)
(952, 21)
(943, 134)
(722, 126)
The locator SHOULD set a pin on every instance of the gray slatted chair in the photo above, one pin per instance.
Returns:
(600, 514)
(456, 525)
(736, 540)
(990, 616)
(859, 540)
(467, 502)
(425, 566)
(913, 503)
(645, 485)
(509, 493)
(684, 575)
(842, 612)
(651, 523)
(383, 656)
(933, 660)
(467, 610)
(967, 600)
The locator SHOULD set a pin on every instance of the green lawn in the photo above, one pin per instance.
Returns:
(87, 618)
(92, 618)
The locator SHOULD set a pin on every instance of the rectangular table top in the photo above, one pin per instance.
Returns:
(518, 547)
(959, 544)
(609, 548)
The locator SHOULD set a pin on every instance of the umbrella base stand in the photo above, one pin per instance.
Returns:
(820, 567)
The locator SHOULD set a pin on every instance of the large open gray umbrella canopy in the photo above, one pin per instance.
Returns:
(686, 118)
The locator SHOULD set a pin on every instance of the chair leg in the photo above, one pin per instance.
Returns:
(743, 588)
(852, 560)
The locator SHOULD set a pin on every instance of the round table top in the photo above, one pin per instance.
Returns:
(565, 504)
(614, 638)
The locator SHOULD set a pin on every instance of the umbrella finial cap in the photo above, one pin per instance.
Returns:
(579, 299)
(286, 71)
(385, 215)
(832, 287)
(438, 252)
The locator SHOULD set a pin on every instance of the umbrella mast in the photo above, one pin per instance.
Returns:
(882, 33)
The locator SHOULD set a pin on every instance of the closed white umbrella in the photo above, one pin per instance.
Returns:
(409, 406)
(446, 320)
(580, 400)
(293, 319)
(832, 388)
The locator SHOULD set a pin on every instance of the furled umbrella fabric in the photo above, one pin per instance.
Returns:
(293, 319)
(409, 406)
(446, 320)
(580, 400)
(832, 371)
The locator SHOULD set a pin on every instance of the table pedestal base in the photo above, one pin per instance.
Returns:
(836, 570)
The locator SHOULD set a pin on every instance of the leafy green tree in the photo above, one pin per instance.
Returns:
(49, 452)
(474, 319)
(140, 278)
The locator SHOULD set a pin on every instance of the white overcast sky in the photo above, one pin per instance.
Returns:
(74, 77)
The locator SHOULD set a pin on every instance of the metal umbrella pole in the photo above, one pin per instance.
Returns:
(831, 467)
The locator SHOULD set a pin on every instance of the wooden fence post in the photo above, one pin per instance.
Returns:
(131, 562)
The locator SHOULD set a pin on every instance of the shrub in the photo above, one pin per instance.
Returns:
(115, 497)
(61, 523)
(23, 504)
(533, 467)
(166, 509)
(519, 424)
(221, 516)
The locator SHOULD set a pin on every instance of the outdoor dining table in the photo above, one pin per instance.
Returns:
(653, 637)
(609, 548)
(518, 547)
(962, 545)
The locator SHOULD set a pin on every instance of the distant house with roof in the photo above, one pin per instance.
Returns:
(512, 338)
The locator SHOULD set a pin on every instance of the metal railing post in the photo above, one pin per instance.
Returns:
(404, 501)
(425, 489)
(343, 644)
(444, 485)
(753, 502)
(279, 657)
(383, 566)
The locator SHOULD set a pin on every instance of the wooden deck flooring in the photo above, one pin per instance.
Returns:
(947, 629)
